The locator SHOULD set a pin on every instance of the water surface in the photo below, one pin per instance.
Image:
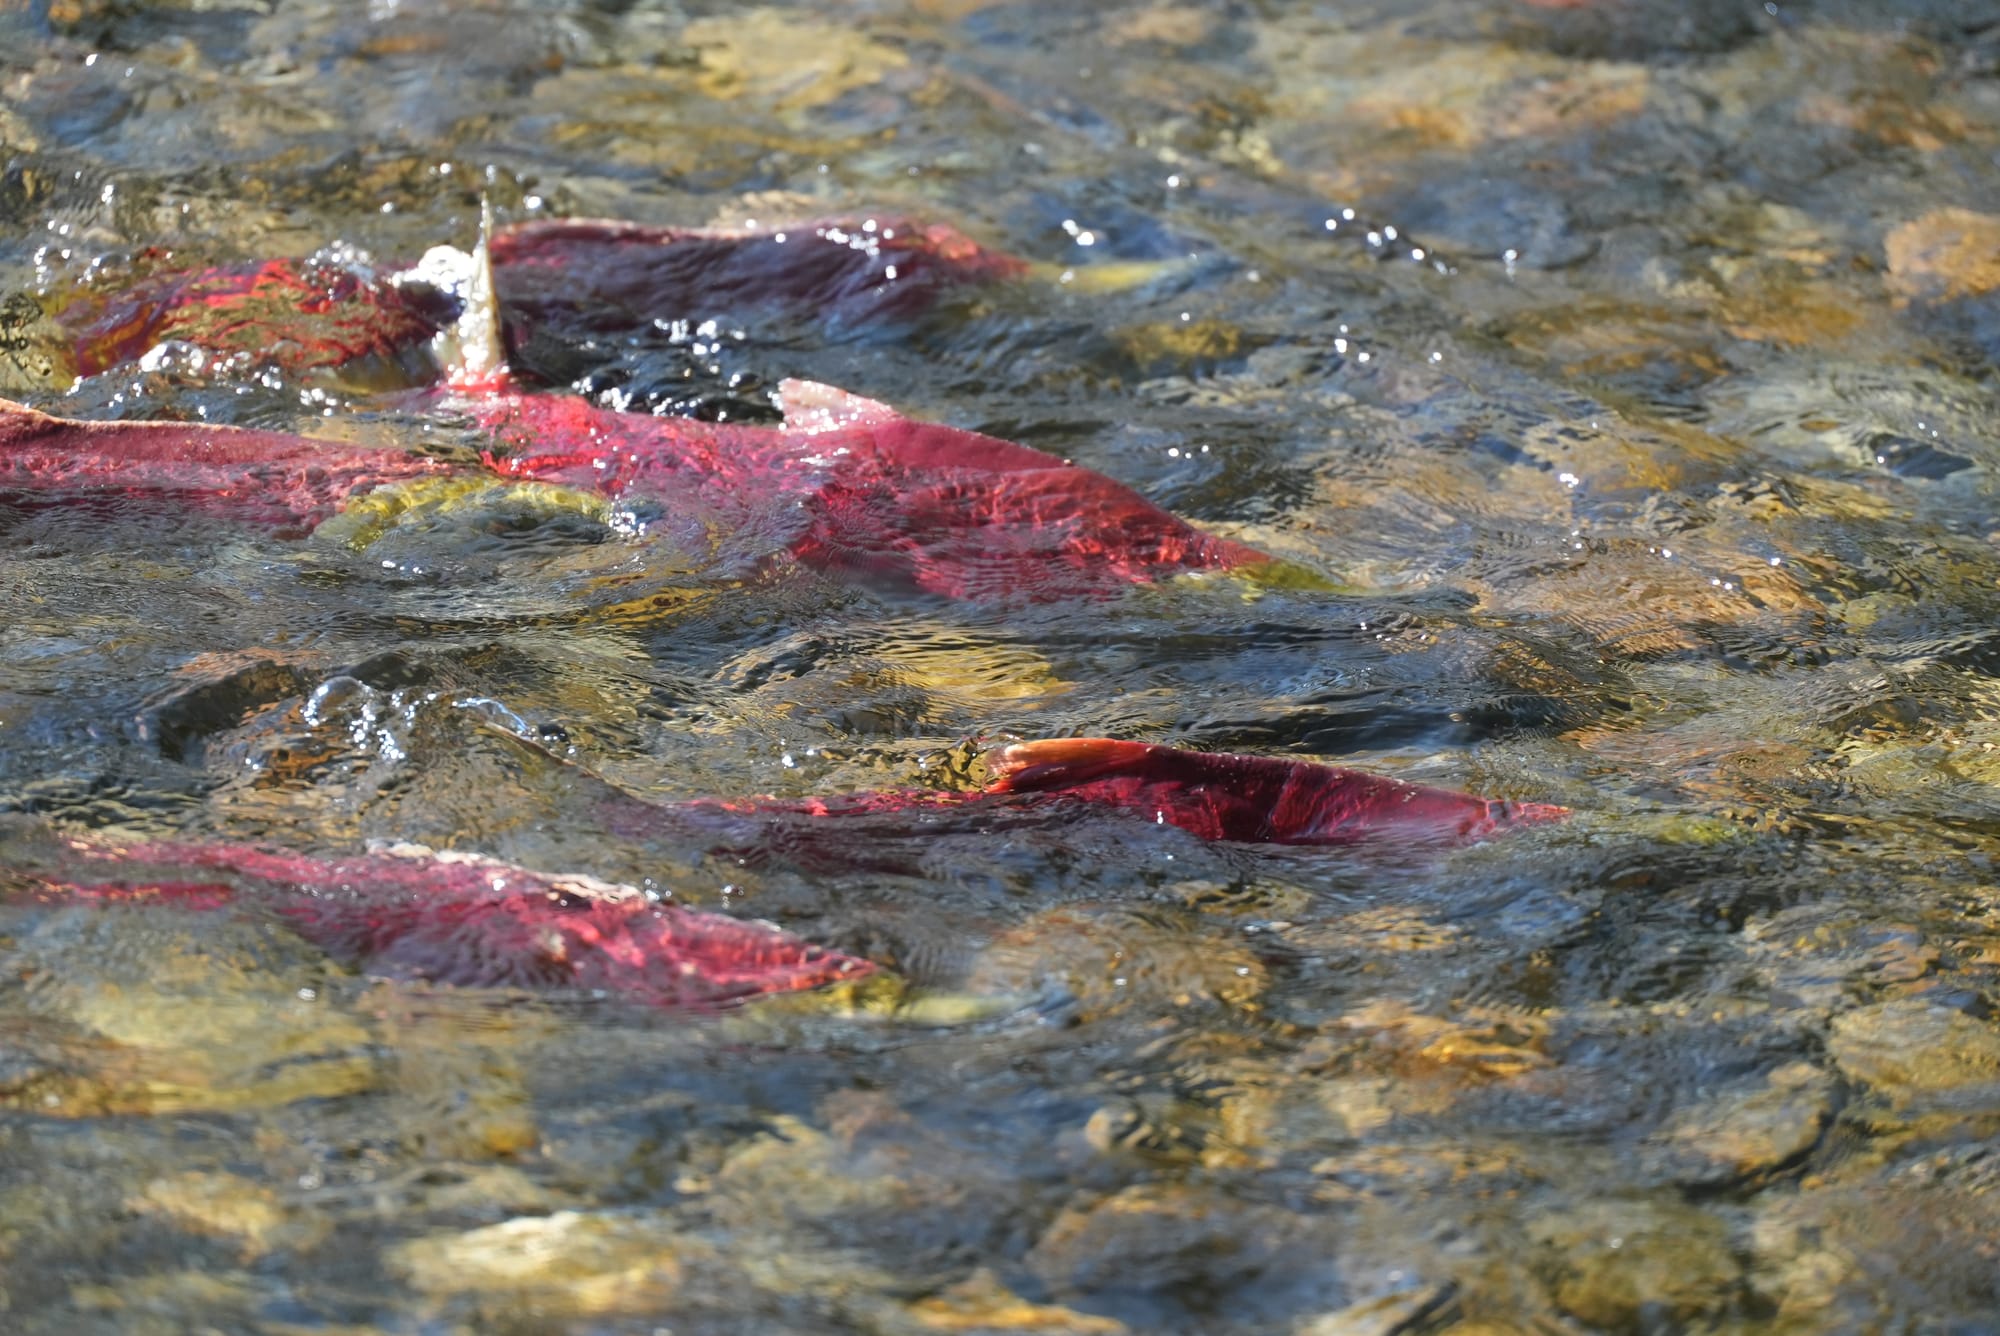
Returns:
(1623, 369)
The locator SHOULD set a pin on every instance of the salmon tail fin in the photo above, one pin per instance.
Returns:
(1496, 816)
(1529, 814)
(1024, 767)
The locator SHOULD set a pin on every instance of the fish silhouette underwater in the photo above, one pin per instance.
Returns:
(1215, 796)
(562, 284)
(1063, 790)
(1251, 799)
(289, 483)
(844, 484)
(462, 919)
(553, 281)
(868, 493)
(411, 913)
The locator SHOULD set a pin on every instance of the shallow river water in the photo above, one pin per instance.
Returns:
(1617, 378)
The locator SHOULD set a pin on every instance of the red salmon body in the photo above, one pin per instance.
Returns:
(473, 922)
(260, 477)
(568, 279)
(873, 494)
(585, 276)
(296, 315)
(1049, 784)
(1254, 799)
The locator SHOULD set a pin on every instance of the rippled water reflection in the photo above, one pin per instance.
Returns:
(1623, 370)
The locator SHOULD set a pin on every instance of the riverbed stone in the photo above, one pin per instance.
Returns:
(1855, 1254)
(231, 1206)
(980, 1305)
(1384, 1315)
(1743, 1133)
(1630, 29)
(787, 59)
(1909, 1047)
(189, 1011)
(1945, 254)
(1109, 960)
(582, 1262)
(1636, 1265)
(1160, 1236)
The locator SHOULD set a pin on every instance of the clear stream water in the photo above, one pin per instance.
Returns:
(1659, 485)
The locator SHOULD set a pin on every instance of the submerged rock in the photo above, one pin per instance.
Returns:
(1170, 1237)
(1884, 1243)
(1633, 29)
(1637, 1265)
(230, 1206)
(1907, 1047)
(1387, 1315)
(1109, 961)
(1743, 1134)
(146, 1013)
(583, 1262)
(1945, 254)
(980, 1305)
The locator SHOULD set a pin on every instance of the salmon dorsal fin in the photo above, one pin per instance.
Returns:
(470, 349)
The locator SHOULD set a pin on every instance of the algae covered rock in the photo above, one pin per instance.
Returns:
(582, 1262)
(1165, 1237)
(1908, 1047)
(1637, 1265)
(1111, 960)
(1744, 1133)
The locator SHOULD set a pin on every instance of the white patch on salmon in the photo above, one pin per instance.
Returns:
(811, 407)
